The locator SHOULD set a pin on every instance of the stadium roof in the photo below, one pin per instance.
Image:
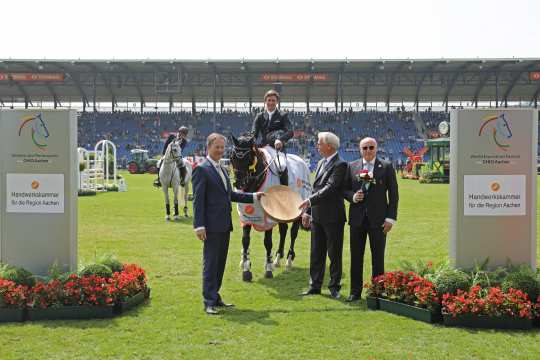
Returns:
(338, 81)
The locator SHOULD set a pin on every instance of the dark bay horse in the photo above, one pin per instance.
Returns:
(251, 171)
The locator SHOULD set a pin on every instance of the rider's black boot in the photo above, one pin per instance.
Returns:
(157, 183)
(183, 173)
(284, 177)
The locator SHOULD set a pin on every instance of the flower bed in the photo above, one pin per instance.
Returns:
(491, 308)
(75, 296)
(478, 298)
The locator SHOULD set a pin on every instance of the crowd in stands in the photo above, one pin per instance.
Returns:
(393, 130)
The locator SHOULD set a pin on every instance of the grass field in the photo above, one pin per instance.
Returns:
(270, 320)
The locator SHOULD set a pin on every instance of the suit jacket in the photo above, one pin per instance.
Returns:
(212, 201)
(327, 204)
(380, 201)
(263, 126)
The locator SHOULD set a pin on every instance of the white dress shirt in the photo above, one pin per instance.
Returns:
(219, 170)
(326, 162)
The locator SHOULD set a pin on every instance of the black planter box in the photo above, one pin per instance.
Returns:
(372, 303)
(71, 313)
(11, 315)
(130, 303)
(488, 322)
(410, 311)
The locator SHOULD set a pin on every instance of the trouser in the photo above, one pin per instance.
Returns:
(326, 239)
(215, 249)
(377, 244)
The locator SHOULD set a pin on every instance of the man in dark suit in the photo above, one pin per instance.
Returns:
(273, 127)
(327, 216)
(373, 211)
(212, 221)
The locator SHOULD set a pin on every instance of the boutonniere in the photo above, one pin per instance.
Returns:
(365, 177)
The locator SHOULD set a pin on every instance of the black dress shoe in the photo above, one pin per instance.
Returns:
(311, 292)
(210, 310)
(353, 297)
(335, 293)
(220, 303)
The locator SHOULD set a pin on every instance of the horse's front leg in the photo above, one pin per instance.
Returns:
(175, 195)
(167, 203)
(245, 262)
(186, 193)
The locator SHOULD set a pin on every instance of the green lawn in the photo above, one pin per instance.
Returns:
(270, 319)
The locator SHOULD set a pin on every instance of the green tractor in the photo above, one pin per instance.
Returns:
(437, 167)
(141, 163)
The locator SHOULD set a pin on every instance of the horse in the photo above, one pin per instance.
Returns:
(255, 170)
(169, 176)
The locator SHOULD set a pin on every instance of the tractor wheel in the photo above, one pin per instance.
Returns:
(152, 169)
(133, 168)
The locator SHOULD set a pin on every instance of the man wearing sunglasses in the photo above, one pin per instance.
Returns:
(373, 210)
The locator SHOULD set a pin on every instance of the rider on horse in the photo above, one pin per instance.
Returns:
(273, 126)
(181, 138)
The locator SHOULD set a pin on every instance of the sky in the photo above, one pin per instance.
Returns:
(236, 29)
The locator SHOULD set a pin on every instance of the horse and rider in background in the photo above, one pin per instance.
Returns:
(175, 173)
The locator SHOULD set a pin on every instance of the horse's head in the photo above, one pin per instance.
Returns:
(244, 160)
(174, 151)
(40, 127)
(503, 127)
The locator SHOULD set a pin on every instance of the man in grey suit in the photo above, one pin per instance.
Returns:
(212, 196)
(373, 211)
(328, 217)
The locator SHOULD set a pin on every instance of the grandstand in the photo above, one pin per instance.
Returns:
(136, 103)
(129, 130)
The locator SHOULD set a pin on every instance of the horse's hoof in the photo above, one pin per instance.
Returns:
(289, 263)
(247, 276)
(167, 218)
(268, 275)
(176, 218)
